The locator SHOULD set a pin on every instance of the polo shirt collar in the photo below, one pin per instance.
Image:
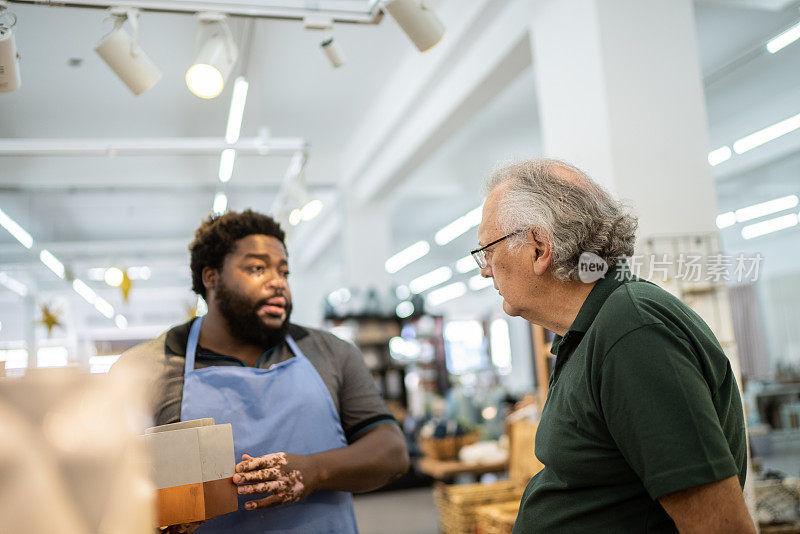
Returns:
(614, 278)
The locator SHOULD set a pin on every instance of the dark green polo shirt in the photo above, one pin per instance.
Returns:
(642, 402)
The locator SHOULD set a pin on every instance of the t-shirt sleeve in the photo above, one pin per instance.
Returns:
(361, 405)
(660, 412)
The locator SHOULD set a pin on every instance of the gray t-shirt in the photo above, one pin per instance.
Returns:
(339, 364)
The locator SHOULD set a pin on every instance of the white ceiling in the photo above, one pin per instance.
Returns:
(96, 211)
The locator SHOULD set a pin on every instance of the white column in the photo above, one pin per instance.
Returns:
(621, 96)
(367, 241)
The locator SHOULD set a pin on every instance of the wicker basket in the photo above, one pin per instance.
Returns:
(446, 448)
(458, 504)
(496, 518)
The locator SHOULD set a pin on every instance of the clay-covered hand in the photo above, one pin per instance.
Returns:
(287, 477)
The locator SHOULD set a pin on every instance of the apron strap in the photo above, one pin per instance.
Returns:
(191, 346)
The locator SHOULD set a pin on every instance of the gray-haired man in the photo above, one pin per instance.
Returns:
(642, 430)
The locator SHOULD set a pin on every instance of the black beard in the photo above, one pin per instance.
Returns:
(243, 321)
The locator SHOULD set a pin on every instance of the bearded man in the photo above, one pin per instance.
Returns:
(308, 422)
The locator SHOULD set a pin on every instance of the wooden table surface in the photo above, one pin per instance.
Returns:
(447, 469)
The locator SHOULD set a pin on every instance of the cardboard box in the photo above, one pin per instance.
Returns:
(192, 467)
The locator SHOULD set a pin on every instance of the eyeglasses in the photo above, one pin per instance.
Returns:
(480, 253)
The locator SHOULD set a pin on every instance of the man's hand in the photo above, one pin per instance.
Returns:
(287, 477)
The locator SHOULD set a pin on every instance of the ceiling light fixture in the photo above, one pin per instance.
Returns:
(448, 292)
(418, 21)
(407, 256)
(295, 217)
(333, 52)
(765, 135)
(52, 263)
(766, 208)
(13, 285)
(715, 157)
(84, 291)
(10, 78)
(122, 53)
(459, 226)
(784, 39)
(206, 77)
(236, 111)
(769, 226)
(478, 282)
(431, 279)
(311, 210)
(226, 161)
(466, 264)
(724, 220)
(220, 204)
(121, 322)
(113, 276)
(102, 305)
(16, 230)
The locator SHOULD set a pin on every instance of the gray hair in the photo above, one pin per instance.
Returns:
(575, 213)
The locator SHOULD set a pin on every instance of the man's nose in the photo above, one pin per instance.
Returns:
(486, 272)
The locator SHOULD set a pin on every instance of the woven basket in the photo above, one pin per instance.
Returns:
(458, 504)
(496, 518)
(446, 448)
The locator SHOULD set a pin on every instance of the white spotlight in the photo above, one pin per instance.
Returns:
(419, 22)
(10, 78)
(333, 52)
(206, 77)
(122, 53)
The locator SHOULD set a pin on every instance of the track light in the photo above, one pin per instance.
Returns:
(122, 53)
(10, 79)
(419, 22)
(207, 76)
(333, 52)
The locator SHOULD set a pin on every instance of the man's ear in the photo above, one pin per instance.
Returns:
(542, 250)
(210, 278)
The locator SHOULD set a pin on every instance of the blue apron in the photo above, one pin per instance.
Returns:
(286, 408)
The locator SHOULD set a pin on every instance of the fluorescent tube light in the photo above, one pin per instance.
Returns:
(431, 279)
(766, 208)
(104, 307)
(477, 282)
(226, 160)
(84, 291)
(407, 256)
(13, 285)
(311, 210)
(16, 230)
(236, 111)
(769, 226)
(220, 203)
(139, 272)
(295, 217)
(715, 157)
(448, 292)
(466, 264)
(459, 226)
(52, 263)
(121, 321)
(726, 219)
(784, 39)
(765, 135)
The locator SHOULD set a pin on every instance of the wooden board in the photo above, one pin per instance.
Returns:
(448, 469)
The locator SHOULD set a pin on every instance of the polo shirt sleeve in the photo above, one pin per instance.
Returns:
(361, 406)
(660, 412)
